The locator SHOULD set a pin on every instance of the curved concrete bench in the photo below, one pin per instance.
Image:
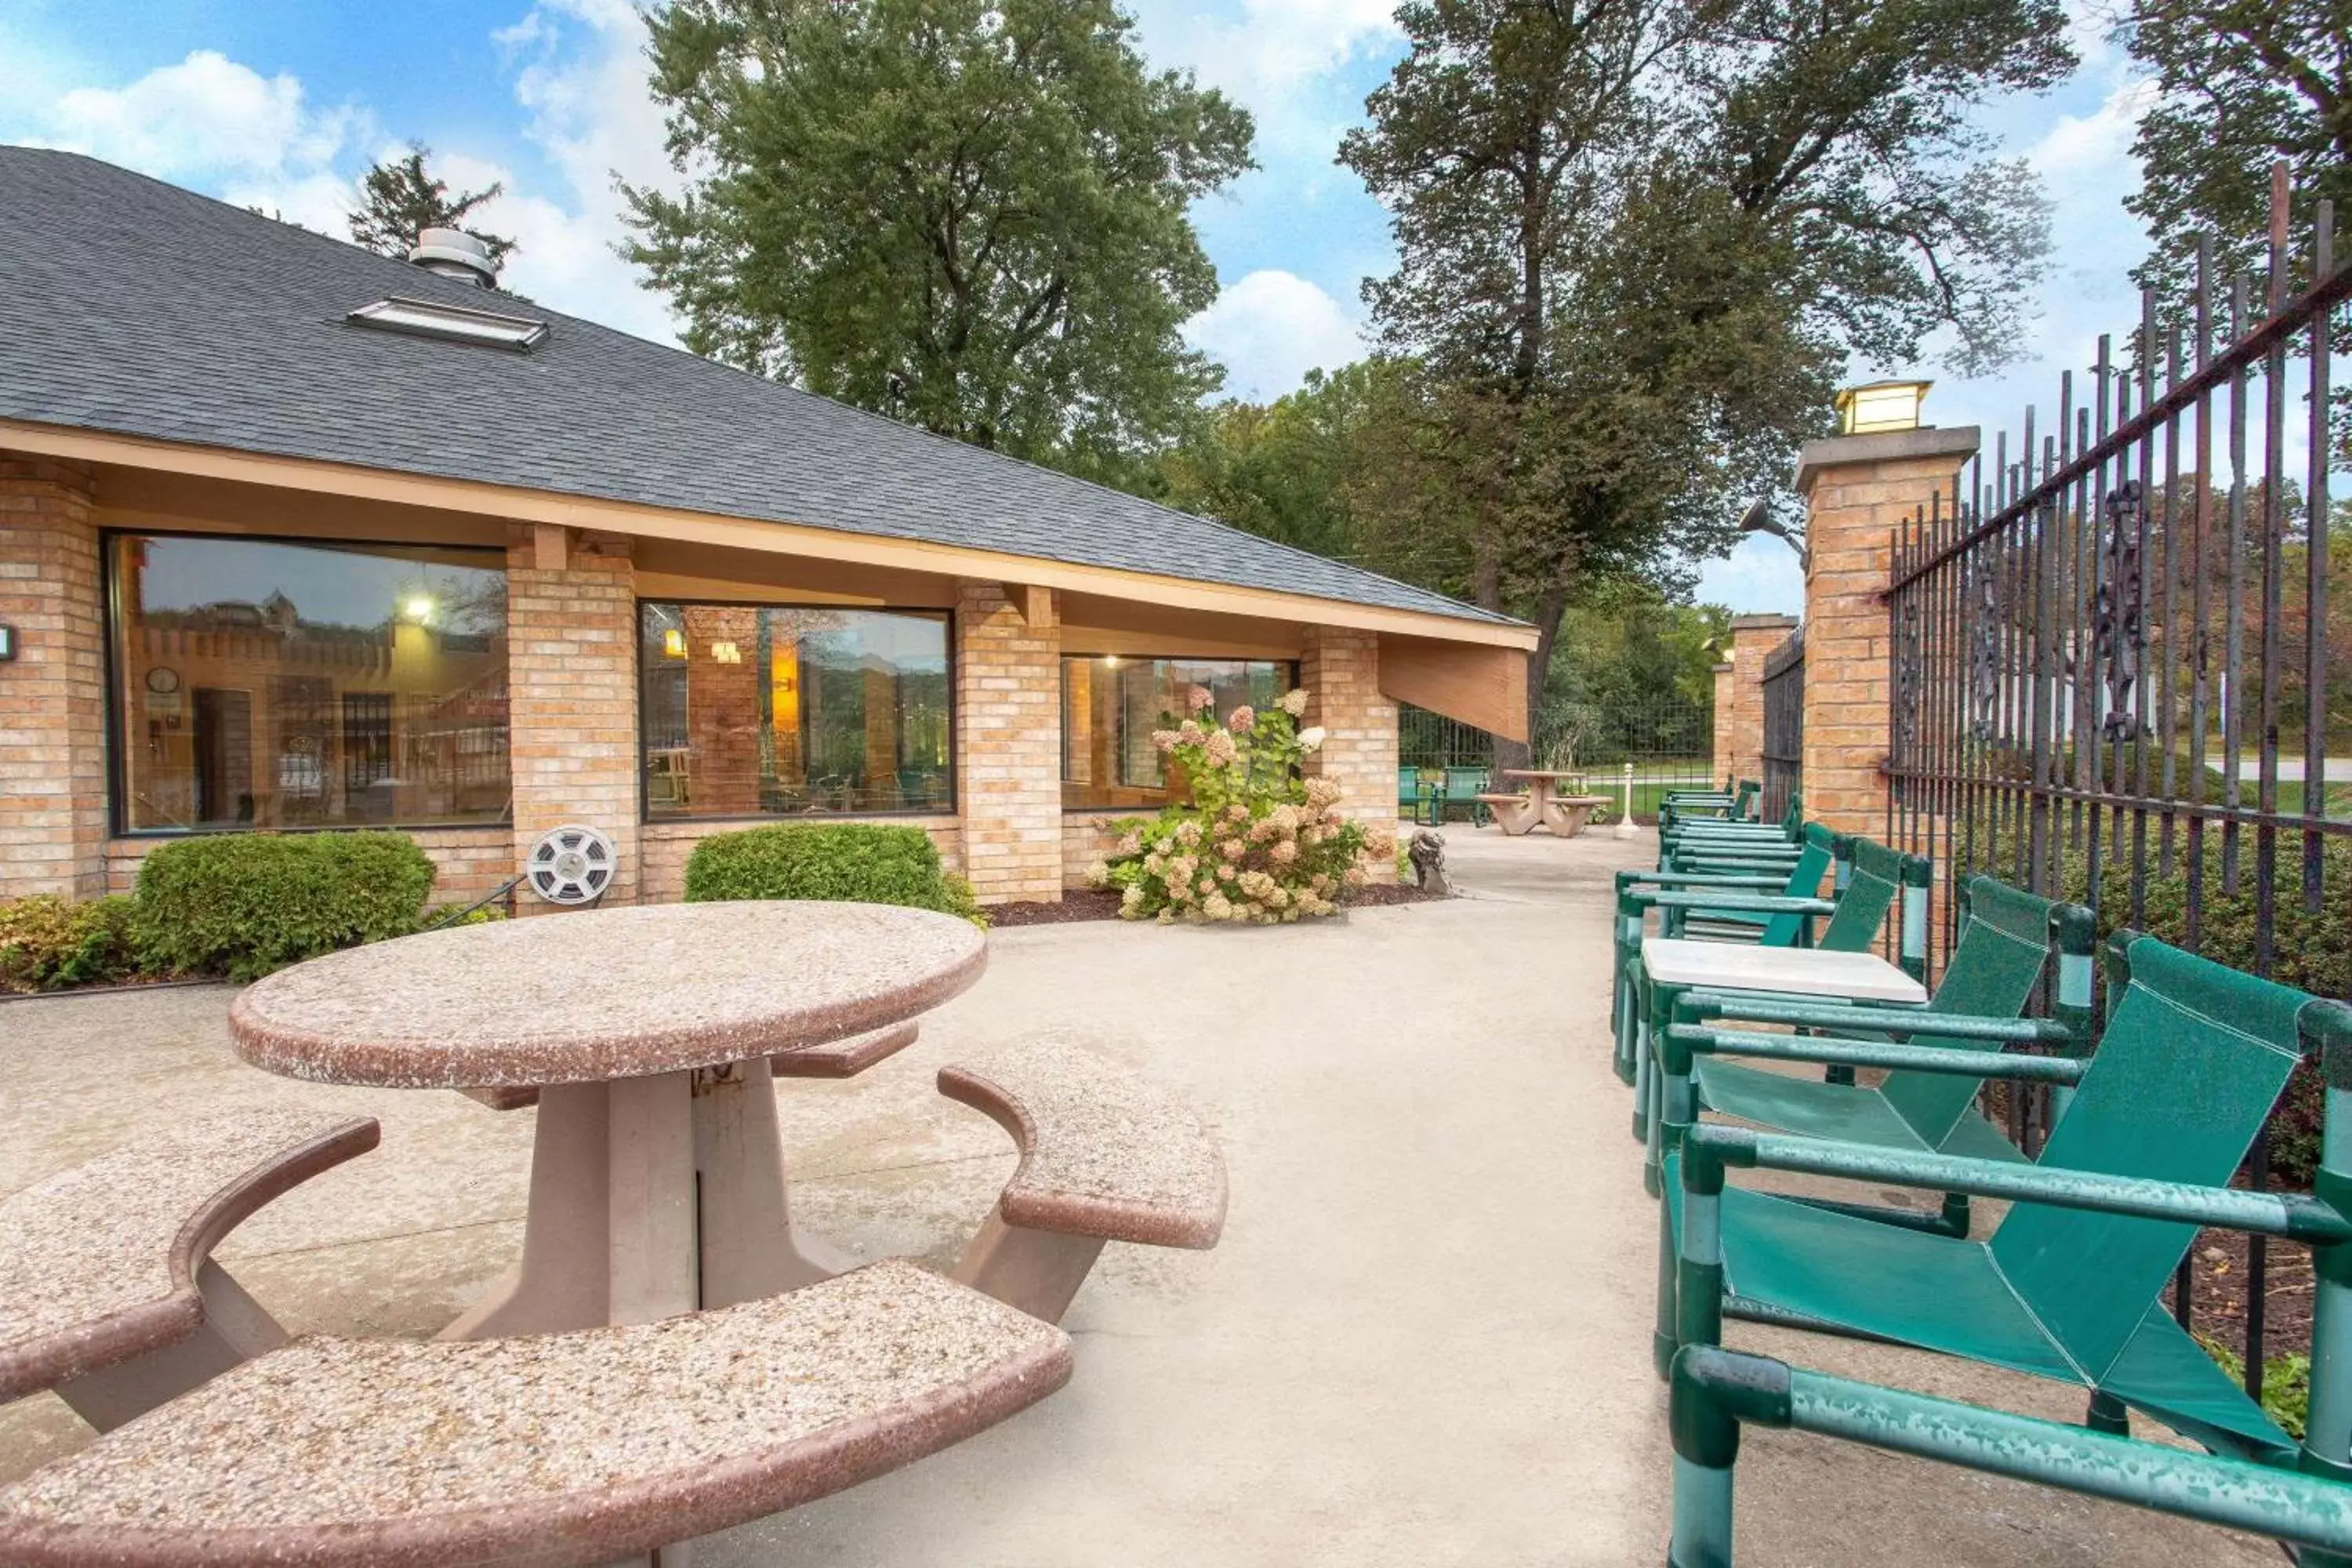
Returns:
(844, 1057)
(108, 1290)
(1105, 1156)
(554, 1448)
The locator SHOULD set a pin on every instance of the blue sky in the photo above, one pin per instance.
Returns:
(282, 103)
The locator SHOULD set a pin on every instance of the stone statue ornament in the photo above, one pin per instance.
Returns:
(1426, 850)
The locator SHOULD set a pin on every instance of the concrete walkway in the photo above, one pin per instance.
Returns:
(1425, 1340)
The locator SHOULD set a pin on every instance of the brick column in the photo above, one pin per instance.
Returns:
(572, 680)
(1724, 764)
(53, 694)
(1753, 638)
(1340, 669)
(1009, 742)
(1857, 490)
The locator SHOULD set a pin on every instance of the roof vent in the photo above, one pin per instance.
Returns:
(431, 319)
(454, 253)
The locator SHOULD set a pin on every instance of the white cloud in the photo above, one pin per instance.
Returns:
(1760, 577)
(1270, 329)
(208, 115)
(1278, 59)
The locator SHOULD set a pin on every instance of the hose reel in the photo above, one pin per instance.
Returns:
(571, 865)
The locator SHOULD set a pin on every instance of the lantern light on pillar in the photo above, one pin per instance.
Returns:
(1881, 405)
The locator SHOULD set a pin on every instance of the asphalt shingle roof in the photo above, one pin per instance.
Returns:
(131, 306)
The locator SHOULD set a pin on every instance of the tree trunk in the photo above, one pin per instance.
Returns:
(1549, 609)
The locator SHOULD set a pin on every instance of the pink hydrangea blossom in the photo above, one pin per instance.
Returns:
(1220, 747)
(1200, 697)
(1284, 853)
(1241, 720)
(1188, 834)
(1293, 702)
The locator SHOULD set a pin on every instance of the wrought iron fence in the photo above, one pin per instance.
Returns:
(2112, 655)
(1784, 725)
(1669, 744)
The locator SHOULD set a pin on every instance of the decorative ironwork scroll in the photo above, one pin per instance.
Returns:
(2117, 624)
(1984, 645)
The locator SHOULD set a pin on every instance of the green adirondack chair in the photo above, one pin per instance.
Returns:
(1872, 878)
(1416, 797)
(1462, 787)
(1717, 1392)
(2006, 938)
(2191, 1060)
(1730, 802)
(1711, 836)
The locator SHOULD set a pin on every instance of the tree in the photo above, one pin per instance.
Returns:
(403, 198)
(968, 214)
(1639, 240)
(2238, 85)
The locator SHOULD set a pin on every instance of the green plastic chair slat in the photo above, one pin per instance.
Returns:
(2191, 1060)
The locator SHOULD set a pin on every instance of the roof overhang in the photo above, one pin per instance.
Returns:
(517, 504)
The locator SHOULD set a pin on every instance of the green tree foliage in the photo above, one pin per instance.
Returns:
(967, 215)
(1640, 239)
(403, 198)
(2239, 85)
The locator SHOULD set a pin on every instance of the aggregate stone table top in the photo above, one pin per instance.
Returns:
(570, 1447)
(1796, 970)
(593, 995)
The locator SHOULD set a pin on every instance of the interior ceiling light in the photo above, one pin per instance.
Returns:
(458, 323)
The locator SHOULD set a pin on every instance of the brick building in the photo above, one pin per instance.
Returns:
(294, 536)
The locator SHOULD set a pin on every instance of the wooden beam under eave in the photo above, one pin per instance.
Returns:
(550, 546)
(1484, 685)
(1033, 605)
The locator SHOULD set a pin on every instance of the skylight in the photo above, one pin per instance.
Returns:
(431, 319)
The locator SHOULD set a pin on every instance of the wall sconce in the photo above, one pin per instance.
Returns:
(726, 653)
(1881, 405)
(673, 643)
(1110, 661)
(416, 609)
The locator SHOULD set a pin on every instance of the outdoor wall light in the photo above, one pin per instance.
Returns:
(1881, 405)
(1110, 661)
(416, 607)
(673, 643)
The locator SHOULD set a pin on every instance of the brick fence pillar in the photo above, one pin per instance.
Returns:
(1724, 764)
(53, 694)
(1009, 741)
(1753, 638)
(1342, 672)
(571, 676)
(1857, 490)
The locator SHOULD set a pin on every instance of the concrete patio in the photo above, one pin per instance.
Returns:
(1423, 1341)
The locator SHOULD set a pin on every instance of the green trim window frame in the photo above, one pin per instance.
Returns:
(762, 710)
(298, 684)
(1112, 702)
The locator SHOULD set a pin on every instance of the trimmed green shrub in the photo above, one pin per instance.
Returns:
(241, 905)
(856, 862)
(47, 943)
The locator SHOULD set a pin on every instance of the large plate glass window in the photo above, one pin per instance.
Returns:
(777, 710)
(1111, 705)
(265, 683)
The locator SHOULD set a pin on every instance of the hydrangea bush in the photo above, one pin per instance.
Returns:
(1258, 843)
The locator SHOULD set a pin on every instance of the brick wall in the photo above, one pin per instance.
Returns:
(1753, 639)
(1009, 744)
(1857, 490)
(1726, 740)
(573, 690)
(1087, 838)
(1340, 668)
(53, 695)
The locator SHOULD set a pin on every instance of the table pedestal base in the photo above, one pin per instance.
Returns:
(652, 1196)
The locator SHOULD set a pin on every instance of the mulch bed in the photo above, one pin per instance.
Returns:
(1093, 904)
(2219, 1276)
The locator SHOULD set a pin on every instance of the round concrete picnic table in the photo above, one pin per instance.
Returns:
(1550, 802)
(658, 1180)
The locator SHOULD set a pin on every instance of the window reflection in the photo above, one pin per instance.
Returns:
(758, 709)
(1111, 705)
(265, 684)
